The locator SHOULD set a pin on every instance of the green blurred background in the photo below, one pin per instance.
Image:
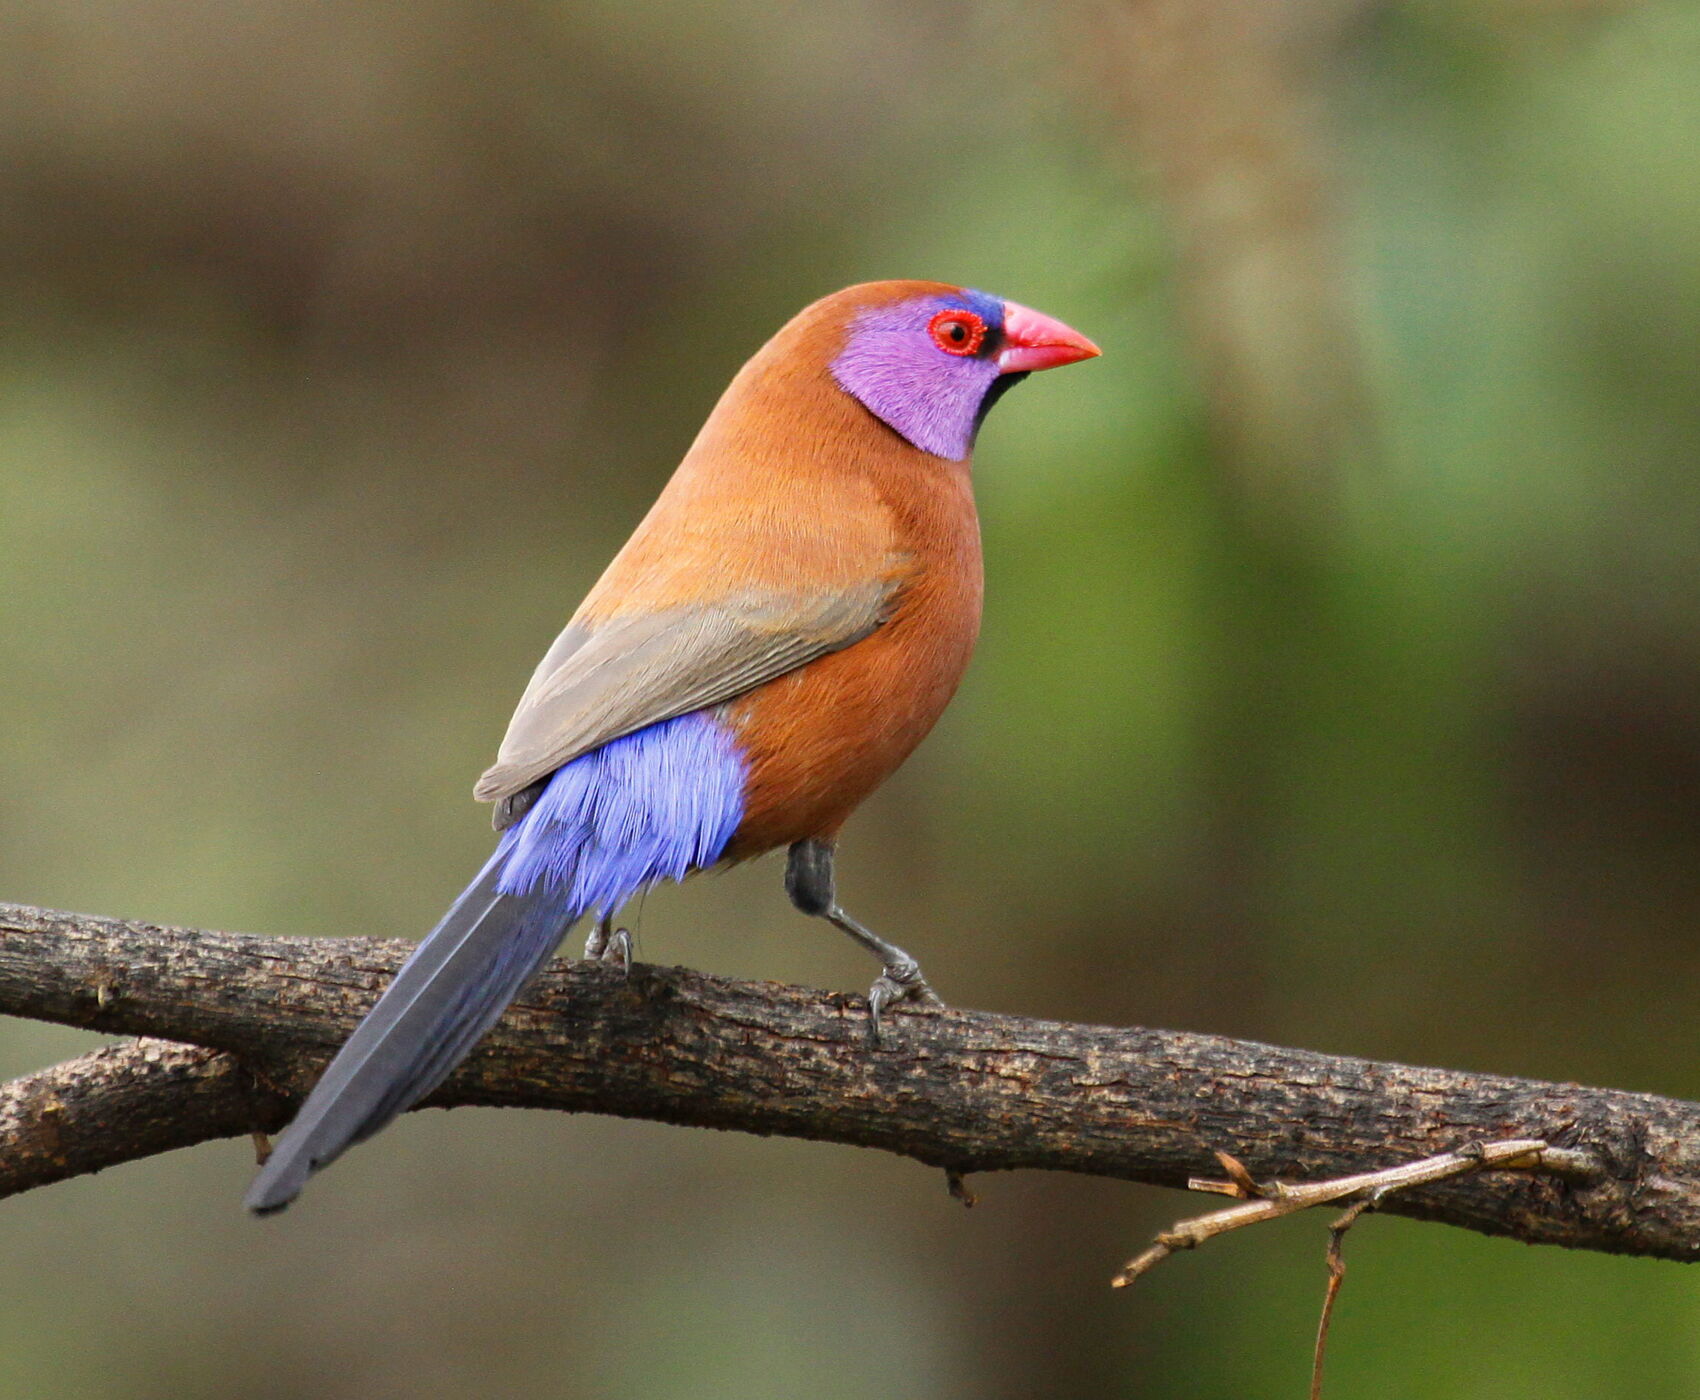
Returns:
(1340, 680)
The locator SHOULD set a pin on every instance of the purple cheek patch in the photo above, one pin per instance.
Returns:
(890, 364)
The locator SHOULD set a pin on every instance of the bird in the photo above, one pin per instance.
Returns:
(782, 629)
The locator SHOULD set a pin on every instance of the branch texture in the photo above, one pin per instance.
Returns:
(967, 1091)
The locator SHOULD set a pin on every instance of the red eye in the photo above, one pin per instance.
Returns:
(957, 332)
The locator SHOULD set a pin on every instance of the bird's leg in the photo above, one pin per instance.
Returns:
(609, 944)
(809, 882)
(597, 943)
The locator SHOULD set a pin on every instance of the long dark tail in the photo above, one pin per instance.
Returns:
(453, 989)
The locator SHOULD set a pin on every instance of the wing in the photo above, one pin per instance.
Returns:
(600, 681)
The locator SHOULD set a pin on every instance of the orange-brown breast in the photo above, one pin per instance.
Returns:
(822, 738)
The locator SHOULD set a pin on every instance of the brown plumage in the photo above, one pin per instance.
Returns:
(795, 494)
(811, 526)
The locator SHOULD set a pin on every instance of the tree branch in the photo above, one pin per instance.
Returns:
(116, 1104)
(966, 1091)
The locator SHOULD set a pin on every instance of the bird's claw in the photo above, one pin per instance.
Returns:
(901, 981)
(612, 946)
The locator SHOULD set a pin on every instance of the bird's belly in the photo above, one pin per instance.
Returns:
(823, 737)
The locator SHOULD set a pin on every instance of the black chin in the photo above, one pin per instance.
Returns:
(995, 391)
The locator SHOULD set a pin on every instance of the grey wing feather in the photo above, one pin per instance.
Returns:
(596, 684)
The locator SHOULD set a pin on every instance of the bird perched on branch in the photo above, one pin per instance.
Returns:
(784, 627)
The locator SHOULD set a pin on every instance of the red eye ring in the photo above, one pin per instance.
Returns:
(957, 332)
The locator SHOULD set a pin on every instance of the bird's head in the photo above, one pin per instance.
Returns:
(929, 360)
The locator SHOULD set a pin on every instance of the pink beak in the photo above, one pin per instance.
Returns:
(1033, 340)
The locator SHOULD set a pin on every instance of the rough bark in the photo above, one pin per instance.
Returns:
(968, 1091)
(116, 1104)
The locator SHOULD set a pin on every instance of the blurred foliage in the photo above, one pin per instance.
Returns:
(341, 345)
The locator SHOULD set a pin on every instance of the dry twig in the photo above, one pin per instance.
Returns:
(1368, 1190)
(1336, 1276)
(1275, 1199)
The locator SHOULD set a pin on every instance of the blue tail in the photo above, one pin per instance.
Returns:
(453, 989)
(651, 806)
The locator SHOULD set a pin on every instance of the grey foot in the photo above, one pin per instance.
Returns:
(610, 945)
(809, 882)
(901, 981)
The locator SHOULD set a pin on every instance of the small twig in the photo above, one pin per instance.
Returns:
(1336, 1275)
(1239, 1183)
(959, 1189)
(1280, 1198)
